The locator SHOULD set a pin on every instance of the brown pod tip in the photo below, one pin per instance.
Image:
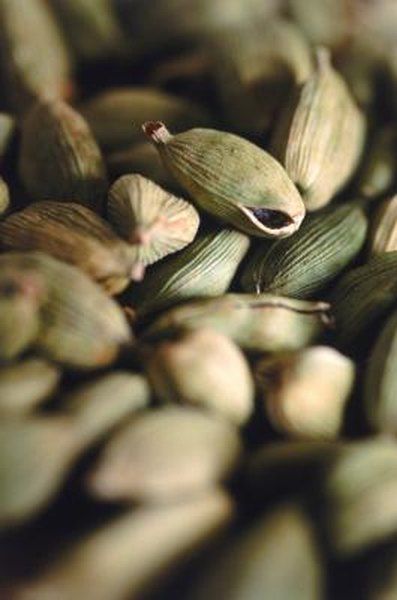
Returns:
(157, 132)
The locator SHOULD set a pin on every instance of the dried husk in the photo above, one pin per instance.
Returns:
(303, 264)
(232, 179)
(203, 368)
(320, 136)
(256, 322)
(59, 157)
(164, 455)
(384, 229)
(154, 222)
(204, 268)
(305, 393)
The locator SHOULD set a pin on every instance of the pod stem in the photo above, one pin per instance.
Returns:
(157, 132)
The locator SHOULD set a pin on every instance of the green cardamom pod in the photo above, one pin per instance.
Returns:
(383, 236)
(59, 157)
(232, 179)
(320, 136)
(303, 264)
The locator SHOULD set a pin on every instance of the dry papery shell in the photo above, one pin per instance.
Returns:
(256, 322)
(305, 393)
(232, 179)
(76, 322)
(131, 553)
(116, 115)
(25, 385)
(154, 222)
(59, 157)
(320, 136)
(34, 60)
(384, 230)
(74, 234)
(164, 455)
(203, 368)
(141, 158)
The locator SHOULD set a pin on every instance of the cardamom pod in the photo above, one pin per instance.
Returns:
(329, 23)
(25, 385)
(34, 60)
(304, 263)
(203, 368)
(165, 454)
(257, 323)
(305, 393)
(111, 113)
(320, 136)
(384, 230)
(377, 174)
(232, 179)
(154, 222)
(204, 268)
(59, 157)
(4, 196)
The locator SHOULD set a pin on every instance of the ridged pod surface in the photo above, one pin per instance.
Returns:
(384, 230)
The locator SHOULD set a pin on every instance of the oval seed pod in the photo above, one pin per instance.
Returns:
(320, 137)
(4, 196)
(153, 221)
(165, 454)
(151, 543)
(232, 179)
(257, 323)
(59, 157)
(204, 268)
(384, 230)
(74, 234)
(116, 115)
(205, 369)
(303, 264)
(25, 385)
(305, 393)
(277, 556)
(34, 61)
(141, 158)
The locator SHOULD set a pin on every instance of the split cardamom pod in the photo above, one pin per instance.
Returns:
(232, 179)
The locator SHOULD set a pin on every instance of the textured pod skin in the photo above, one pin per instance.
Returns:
(302, 265)
(320, 137)
(232, 179)
(35, 63)
(191, 370)
(153, 221)
(363, 296)
(59, 158)
(305, 393)
(384, 231)
(204, 268)
(165, 454)
(74, 234)
(256, 322)
(116, 115)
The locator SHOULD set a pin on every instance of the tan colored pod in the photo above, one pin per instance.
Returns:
(320, 137)
(384, 230)
(74, 234)
(164, 455)
(59, 157)
(232, 179)
(154, 222)
(131, 553)
(305, 393)
(203, 368)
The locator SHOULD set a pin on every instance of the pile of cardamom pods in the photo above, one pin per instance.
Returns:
(198, 299)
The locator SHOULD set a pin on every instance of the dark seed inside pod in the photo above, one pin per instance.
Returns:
(274, 219)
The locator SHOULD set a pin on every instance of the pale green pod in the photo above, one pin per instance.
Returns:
(203, 368)
(383, 236)
(305, 393)
(4, 196)
(27, 384)
(7, 130)
(378, 172)
(360, 496)
(204, 268)
(164, 455)
(321, 135)
(232, 179)
(116, 115)
(303, 264)
(130, 554)
(154, 222)
(364, 296)
(258, 323)
(276, 557)
(34, 60)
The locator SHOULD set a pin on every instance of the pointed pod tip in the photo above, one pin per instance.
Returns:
(156, 131)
